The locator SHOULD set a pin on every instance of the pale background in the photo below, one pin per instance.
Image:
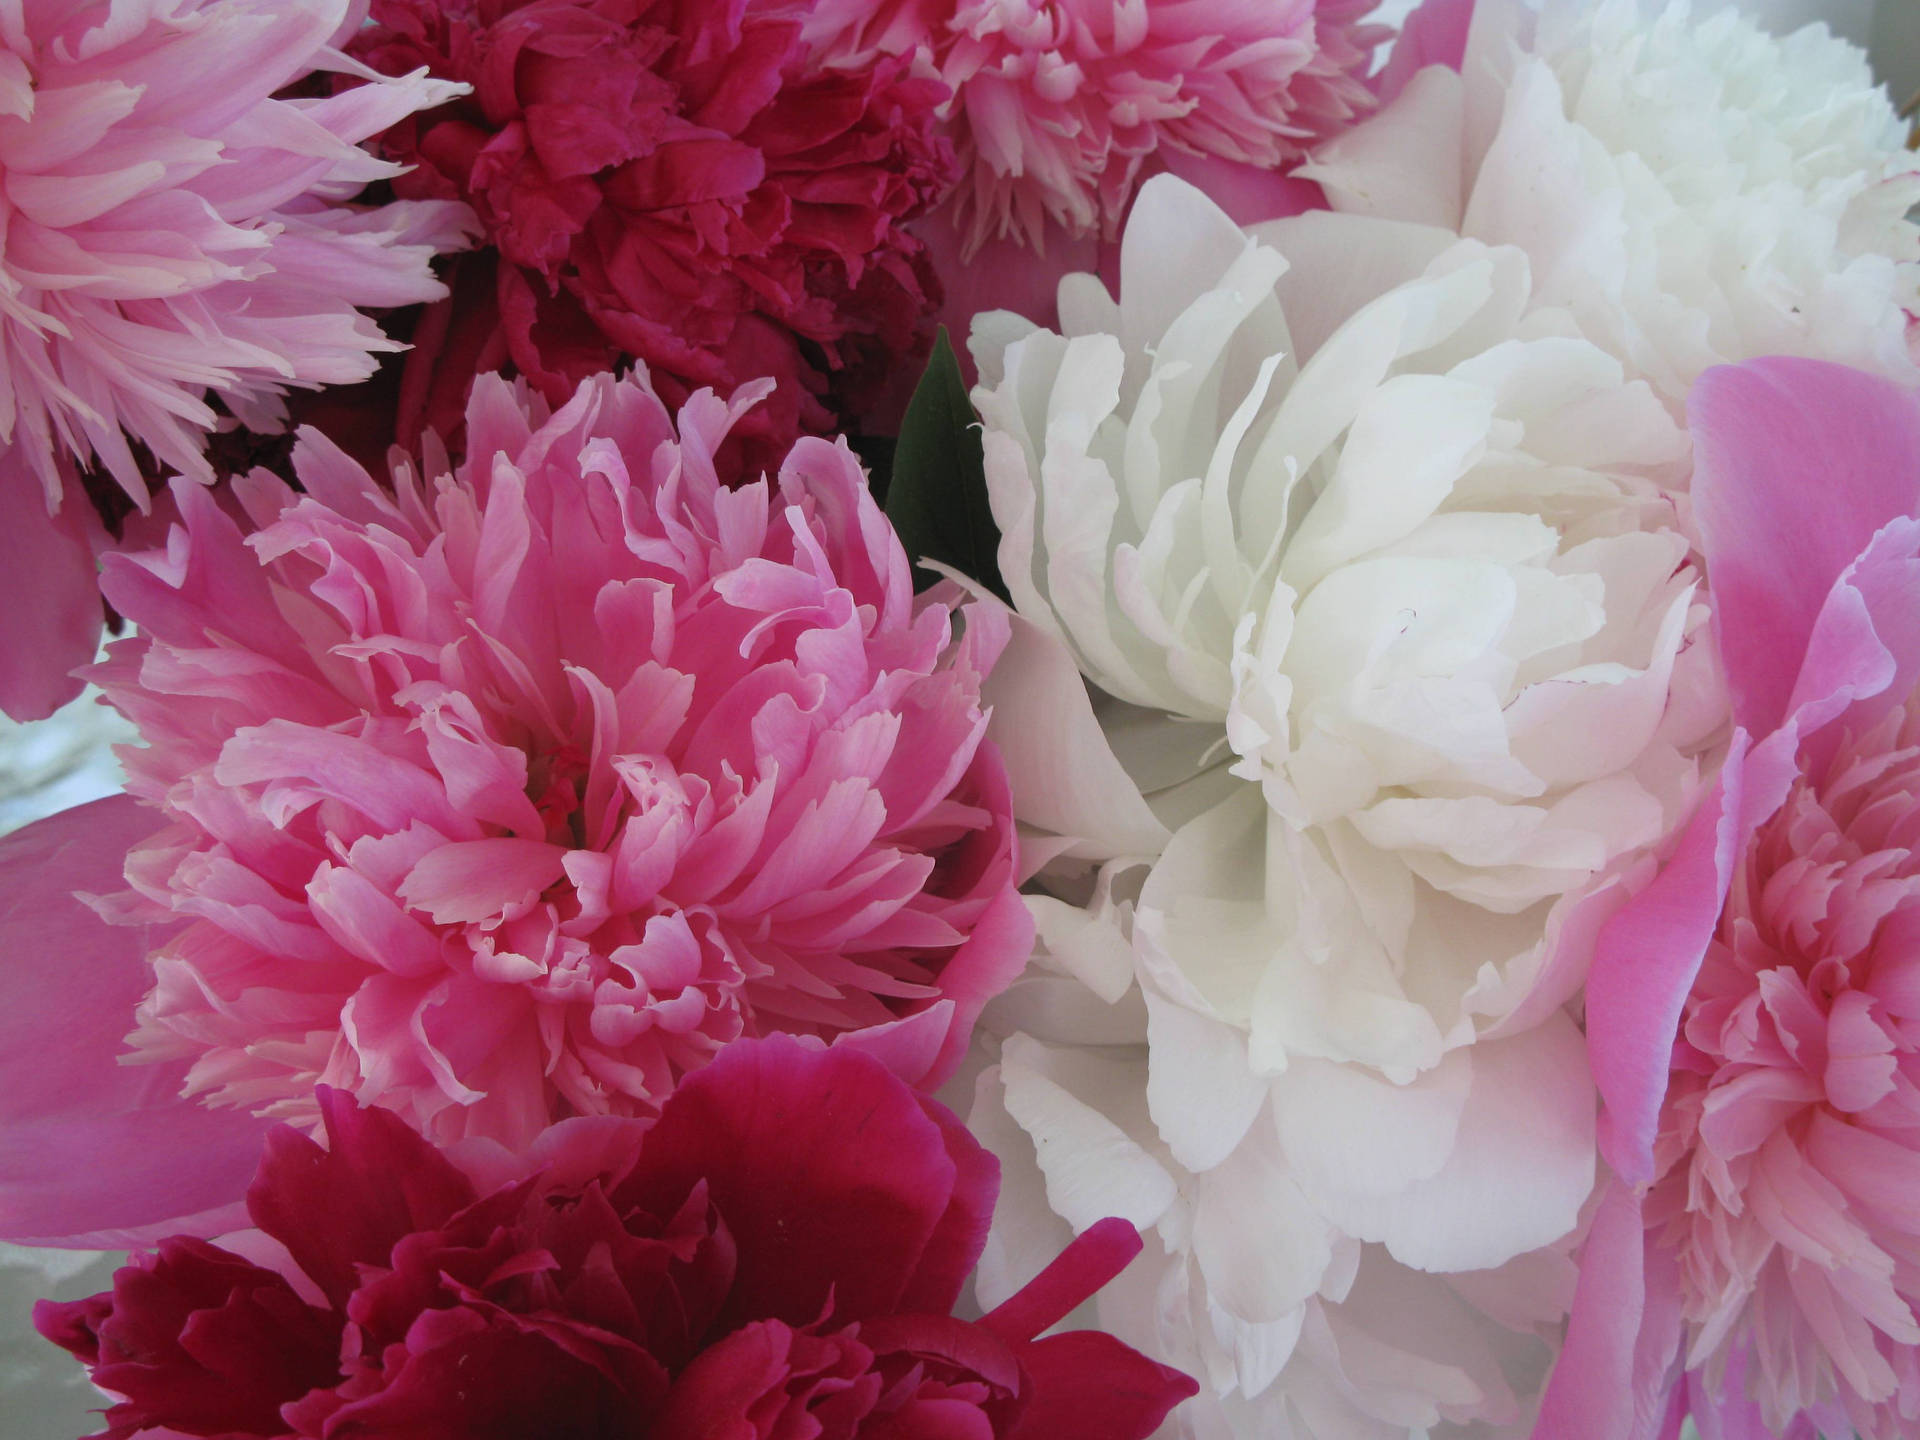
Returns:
(66, 761)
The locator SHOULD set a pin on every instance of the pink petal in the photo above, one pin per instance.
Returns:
(478, 879)
(1797, 464)
(1611, 1381)
(49, 597)
(1434, 34)
(94, 1153)
(1644, 965)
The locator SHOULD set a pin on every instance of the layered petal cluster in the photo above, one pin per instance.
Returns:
(1787, 1137)
(1376, 572)
(1755, 1015)
(1692, 189)
(1057, 104)
(176, 236)
(778, 1256)
(673, 182)
(515, 792)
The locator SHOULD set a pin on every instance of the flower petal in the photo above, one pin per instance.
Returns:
(94, 1153)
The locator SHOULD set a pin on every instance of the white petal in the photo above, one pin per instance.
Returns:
(1261, 1246)
(1522, 1162)
(1063, 776)
(1201, 1090)
(1404, 163)
(1093, 1167)
(1349, 1132)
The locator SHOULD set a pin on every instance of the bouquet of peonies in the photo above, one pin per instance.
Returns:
(1309, 830)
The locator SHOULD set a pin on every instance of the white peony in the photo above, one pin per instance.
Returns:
(1380, 576)
(1692, 189)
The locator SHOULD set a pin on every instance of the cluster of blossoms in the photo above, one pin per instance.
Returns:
(672, 182)
(1055, 107)
(740, 1267)
(1383, 776)
(1388, 626)
(517, 792)
(177, 235)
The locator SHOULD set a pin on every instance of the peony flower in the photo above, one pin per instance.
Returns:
(1752, 1013)
(518, 792)
(1058, 104)
(1382, 594)
(1691, 190)
(673, 183)
(778, 1256)
(176, 238)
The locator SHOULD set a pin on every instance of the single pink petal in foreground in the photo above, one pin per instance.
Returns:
(1434, 34)
(94, 1153)
(1796, 465)
(48, 594)
(1614, 1375)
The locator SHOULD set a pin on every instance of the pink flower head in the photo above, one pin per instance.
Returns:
(778, 1257)
(1058, 104)
(173, 234)
(517, 792)
(671, 180)
(1754, 1016)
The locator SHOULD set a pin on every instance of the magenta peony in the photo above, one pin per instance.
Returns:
(1754, 1016)
(516, 792)
(1059, 105)
(175, 236)
(672, 181)
(778, 1257)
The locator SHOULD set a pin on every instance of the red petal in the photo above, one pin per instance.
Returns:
(824, 1168)
(351, 1203)
(1089, 1386)
(955, 1245)
(1094, 1258)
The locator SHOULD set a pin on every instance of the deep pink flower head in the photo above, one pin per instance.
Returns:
(1754, 1016)
(778, 1257)
(1058, 104)
(174, 235)
(672, 180)
(514, 793)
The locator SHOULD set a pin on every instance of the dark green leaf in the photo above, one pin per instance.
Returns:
(937, 499)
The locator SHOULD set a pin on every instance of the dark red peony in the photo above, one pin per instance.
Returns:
(669, 180)
(777, 1257)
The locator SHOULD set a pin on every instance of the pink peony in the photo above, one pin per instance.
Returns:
(516, 793)
(672, 181)
(1754, 1016)
(174, 236)
(1059, 104)
(778, 1257)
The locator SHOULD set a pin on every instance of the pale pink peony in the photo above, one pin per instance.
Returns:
(174, 234)
(1059, 105)
(1788, 1141)
(1754, 1016)
(514, 793)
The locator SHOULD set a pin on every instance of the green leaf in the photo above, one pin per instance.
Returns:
(937, 498)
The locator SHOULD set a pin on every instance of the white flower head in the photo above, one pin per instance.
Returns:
(1379, 572)
(1692, 189)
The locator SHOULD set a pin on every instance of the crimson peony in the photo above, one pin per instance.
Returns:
(776, 1257)
(670, 181)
